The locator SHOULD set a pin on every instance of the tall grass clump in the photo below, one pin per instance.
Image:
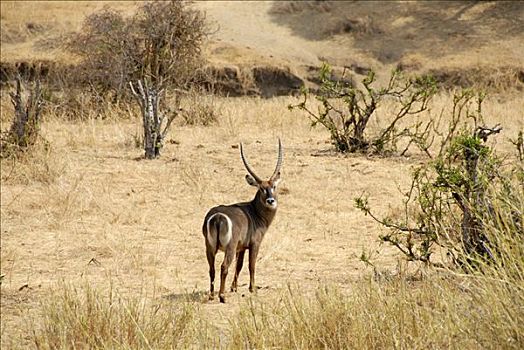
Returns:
(86, 318)
(438, 309)
(41, 164)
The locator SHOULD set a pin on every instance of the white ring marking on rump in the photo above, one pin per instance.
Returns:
(224, 238)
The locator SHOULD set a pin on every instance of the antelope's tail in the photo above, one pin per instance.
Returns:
(219, 231)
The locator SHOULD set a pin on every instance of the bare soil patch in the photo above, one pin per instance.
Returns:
(110, 219)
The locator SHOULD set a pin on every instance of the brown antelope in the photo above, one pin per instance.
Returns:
(238, 227)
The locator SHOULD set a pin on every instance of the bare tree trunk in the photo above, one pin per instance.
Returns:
(152, 119)
(27, 102)
(473, 236)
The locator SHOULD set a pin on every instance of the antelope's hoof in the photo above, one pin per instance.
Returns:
(233, 289)
(211, 296)
(222, 299)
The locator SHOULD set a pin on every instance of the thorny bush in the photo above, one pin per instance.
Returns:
(346, 111)
(465, 201)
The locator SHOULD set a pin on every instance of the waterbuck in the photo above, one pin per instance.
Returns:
(238, 227)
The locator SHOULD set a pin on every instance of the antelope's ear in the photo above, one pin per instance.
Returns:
(251, 180)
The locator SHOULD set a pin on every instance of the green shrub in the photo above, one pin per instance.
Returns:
(466, 200)
(346, 111)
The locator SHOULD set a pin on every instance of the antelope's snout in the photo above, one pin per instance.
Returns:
(272, 202)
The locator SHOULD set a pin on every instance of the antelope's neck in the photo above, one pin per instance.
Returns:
(262, 214)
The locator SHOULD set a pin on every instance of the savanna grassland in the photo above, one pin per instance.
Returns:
(101, 248)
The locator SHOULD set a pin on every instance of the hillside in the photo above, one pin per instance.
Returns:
(461, 42)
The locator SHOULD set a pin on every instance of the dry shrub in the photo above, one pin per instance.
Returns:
(294, 7)
(80, 105)
(89, 319)
(106, 64)
(465, 191)
(161, 42)
(156, 50)
(485, 78)
(41, 164)
(345, 110)
(199, 108)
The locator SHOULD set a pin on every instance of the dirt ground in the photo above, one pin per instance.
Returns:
(107, 216)
(90, 210)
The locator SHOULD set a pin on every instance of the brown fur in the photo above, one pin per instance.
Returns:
(250, 221)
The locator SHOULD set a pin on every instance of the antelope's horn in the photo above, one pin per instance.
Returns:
(279, 161)
(248, 168)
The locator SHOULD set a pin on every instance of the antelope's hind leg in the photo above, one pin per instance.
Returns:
(240, 262)
(228, 258)
(211, 262)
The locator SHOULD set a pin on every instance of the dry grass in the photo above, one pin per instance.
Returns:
(433, 311)
(97, 217)
(86, 318)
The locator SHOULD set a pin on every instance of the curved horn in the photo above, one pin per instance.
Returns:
(248, 168)
(279, 161)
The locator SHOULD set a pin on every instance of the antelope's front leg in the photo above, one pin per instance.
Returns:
(240, 262)
(228, 258)
(253, 253)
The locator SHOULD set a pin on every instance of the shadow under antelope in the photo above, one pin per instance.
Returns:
(238, 227)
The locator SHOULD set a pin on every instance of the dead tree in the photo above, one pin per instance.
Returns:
(152, 118)
(27, 102)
